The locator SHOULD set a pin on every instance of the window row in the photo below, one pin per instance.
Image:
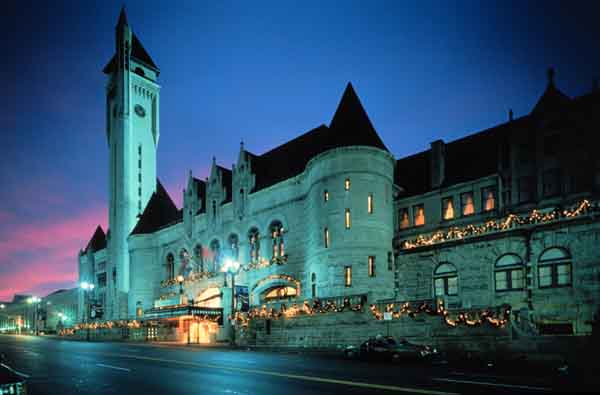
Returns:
(370, 201)
(554, 270)
(449, 208)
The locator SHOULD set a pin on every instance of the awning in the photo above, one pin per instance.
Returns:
(210, 313)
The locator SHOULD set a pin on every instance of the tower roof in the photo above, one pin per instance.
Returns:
(122, 17)
(552, 99)
(98, 241)
(159, 211)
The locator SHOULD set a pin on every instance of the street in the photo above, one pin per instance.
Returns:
(56, 366)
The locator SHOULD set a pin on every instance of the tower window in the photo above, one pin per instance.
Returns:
(370, 203)
(139, 191)
(371, 266)
(139, 163)
(347, 184)
(348, 276)
(347, 218)
(139, 177)
(139, 150)
(326, 237)
(390, 261)
(326, 196)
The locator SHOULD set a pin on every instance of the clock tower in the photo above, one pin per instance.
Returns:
(132, 131)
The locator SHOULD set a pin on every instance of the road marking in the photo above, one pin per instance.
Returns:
(525, 387)
(15, 371)
(113, 367)
(286, 375)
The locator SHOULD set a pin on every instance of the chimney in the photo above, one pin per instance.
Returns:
(438, 163)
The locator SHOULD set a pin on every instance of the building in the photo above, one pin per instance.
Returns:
(19, 315)
(507, 216)
(60, 310)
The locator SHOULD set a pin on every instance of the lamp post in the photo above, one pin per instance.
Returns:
(35, 301)
(85, 287)
(230, 266)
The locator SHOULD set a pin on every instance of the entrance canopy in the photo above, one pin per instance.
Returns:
(209, 313)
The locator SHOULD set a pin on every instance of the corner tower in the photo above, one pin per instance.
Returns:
(132, 131)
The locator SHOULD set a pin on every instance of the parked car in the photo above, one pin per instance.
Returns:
(11, 383)
(387, 348)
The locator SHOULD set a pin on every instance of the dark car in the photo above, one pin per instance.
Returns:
(387, 348)
(11, 383)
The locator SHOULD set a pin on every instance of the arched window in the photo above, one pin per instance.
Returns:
(313, 281)
(170, 266)
(445, 280)
(215, 250)
(186, 263)
(276, 230)
(554, 268)
(279, 293)
(198, 258)
(509, 273)
(233, 243)
(254, 243)
(214, 208)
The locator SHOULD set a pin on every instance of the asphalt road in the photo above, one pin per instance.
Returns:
(57, 366)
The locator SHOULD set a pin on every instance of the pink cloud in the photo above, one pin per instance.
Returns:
(51, 248)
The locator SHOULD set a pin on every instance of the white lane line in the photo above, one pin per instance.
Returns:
(15, 371)
(113, 367)
(516, 386)
(283, 375)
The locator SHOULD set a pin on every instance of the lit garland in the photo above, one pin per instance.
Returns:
(510, 221)
(295, 310)
(108, 324)
(497, 320)
(193, 277)
(262, 263)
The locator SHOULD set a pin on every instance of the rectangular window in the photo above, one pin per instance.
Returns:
(517, 279)
(439, 287)
(347, 217)
(452, 285)
(139, 150)
(447, 208)
(545, 276)
(370, 203)
(101, 279)
(139, 163)
(501, 281)
(139, 191)
(326, 196)
(139, 177)
(563, 274)
(551, 182)
(404, 218)
(488, 198)
(526, 189)
(348, 276)
(466, 202)
(326, 237)
(419, 215)
(371, 266)
(390, 261)
(347, 184)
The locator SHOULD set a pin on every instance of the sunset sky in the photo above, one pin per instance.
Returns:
(261, 72)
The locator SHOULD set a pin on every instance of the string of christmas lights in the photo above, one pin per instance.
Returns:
(509, 222)
(306, 308)
(497, 319)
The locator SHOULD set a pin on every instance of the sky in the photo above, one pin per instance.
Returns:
(263, 72)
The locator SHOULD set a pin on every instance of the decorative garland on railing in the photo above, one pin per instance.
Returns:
(262, 263)
(108, 324)
(510, 221)
(295, 310)
(497, 319)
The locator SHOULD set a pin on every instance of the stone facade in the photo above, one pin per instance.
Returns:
(504, 217)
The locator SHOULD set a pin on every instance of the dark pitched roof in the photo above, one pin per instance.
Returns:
(97, 242)
(227, 178)
(137, 52)
(350, 126)
(159, 212)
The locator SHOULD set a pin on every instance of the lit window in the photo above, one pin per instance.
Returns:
(419, 215)
(326, 237)
(447, 208)
(348, 276)
(466, 201)
(370, 203)
(278, 293)
(508, 273)
(404, 218)
(488, 198)
(371, 266)
(277, 238)
(326, 195)
(445, 280)
(347, 216)
(554, 268)
(254, 241)
(347, 184)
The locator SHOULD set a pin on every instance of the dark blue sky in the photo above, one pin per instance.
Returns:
(263, 72)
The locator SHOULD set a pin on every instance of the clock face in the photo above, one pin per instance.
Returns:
(139, 110)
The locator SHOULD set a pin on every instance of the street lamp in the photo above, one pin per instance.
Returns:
(230, 266)
(85, 286)
(35, 301)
